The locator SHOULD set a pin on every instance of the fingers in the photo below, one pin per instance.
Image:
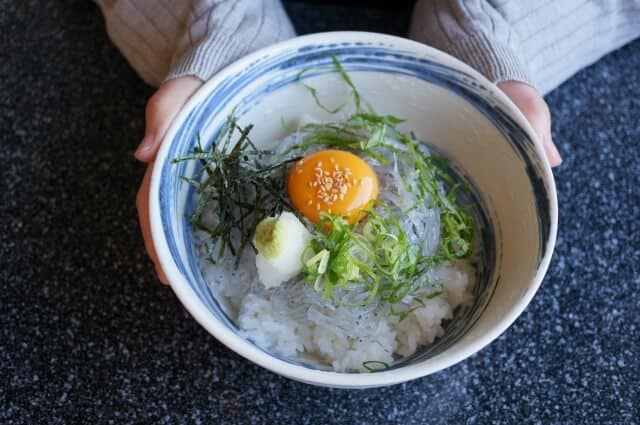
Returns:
(535, 109)
(142, 204)
(161, 109)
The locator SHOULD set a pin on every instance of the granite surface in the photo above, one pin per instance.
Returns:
(88, 335)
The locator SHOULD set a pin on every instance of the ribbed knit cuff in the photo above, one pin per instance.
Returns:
(495, 61)
(207, 57)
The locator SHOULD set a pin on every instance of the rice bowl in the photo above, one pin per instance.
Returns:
(517, 198)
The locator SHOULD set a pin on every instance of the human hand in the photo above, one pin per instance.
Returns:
(173, 94)
(535, 109)
(162, 107)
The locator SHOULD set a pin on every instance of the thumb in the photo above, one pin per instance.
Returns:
(535, 109)
(161, 109)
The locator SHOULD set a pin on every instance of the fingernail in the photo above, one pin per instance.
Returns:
(143, 148)
(552, 151)
(161, 276)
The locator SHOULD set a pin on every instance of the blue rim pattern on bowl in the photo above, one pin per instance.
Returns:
(354, 57)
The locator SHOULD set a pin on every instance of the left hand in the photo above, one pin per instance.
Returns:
(535, 109)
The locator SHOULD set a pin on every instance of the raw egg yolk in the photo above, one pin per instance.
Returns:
(332, 181)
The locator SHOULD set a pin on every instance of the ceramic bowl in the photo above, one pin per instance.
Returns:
(458, 112)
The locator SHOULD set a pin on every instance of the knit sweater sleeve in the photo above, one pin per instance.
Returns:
(474, 32)
(166, 39)
(540, 42)
(226, 30)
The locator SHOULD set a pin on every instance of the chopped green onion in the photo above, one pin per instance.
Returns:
(375, 365)
(376, 253)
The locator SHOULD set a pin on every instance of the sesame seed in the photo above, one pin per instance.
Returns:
(332, 185)
(310, 202)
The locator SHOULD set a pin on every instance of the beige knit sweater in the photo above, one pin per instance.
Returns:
(541, 42)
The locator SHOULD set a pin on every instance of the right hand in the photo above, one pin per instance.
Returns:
(162, 107)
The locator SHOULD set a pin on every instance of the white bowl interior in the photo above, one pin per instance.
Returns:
(464, 118)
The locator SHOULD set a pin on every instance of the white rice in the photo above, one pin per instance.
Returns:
(293, 320)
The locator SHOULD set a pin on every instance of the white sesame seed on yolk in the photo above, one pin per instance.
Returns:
(332, 181)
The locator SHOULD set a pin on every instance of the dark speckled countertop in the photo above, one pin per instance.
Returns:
(87, 334)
